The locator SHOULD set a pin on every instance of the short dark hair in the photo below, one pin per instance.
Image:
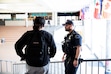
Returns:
(38, 22)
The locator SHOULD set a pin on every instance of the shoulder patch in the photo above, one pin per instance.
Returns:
(77, 36)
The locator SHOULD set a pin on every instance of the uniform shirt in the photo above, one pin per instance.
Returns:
(72, 40)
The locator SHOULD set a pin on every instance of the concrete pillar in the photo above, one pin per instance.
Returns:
(54, 18)
(108, 47)
(26, 19)
(13, 16)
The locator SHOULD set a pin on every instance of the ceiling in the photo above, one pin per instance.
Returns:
(7, 6)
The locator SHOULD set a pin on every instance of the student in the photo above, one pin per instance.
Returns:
(40, 47)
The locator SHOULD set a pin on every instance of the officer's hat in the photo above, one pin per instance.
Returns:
(68, 22)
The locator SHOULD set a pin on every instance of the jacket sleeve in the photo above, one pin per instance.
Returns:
(52, 46)
(19, 45)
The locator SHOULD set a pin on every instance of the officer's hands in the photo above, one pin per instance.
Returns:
(63, 57)
(75, 63)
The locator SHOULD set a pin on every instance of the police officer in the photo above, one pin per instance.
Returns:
(71, 48)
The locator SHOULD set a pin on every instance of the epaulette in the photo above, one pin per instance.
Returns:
(76, 35)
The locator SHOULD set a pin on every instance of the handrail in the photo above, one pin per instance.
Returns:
(96, 60)
(82, 60)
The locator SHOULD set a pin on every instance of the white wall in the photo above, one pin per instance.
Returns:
(95, 36)
(15, 23)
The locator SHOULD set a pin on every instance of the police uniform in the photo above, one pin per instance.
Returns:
(69, 47)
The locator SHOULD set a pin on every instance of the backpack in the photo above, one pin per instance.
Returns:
(36, 50)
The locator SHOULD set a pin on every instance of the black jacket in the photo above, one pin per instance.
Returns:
(24, 41)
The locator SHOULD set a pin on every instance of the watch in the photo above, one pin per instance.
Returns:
(75, 59)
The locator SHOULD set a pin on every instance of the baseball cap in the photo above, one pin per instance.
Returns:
(68, 22)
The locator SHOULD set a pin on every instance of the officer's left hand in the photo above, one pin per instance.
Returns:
(75, 63)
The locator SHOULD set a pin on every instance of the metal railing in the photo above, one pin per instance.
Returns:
(94, 66)
(6, 67)
(91, 66)
(19, 68)
(56, 67)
